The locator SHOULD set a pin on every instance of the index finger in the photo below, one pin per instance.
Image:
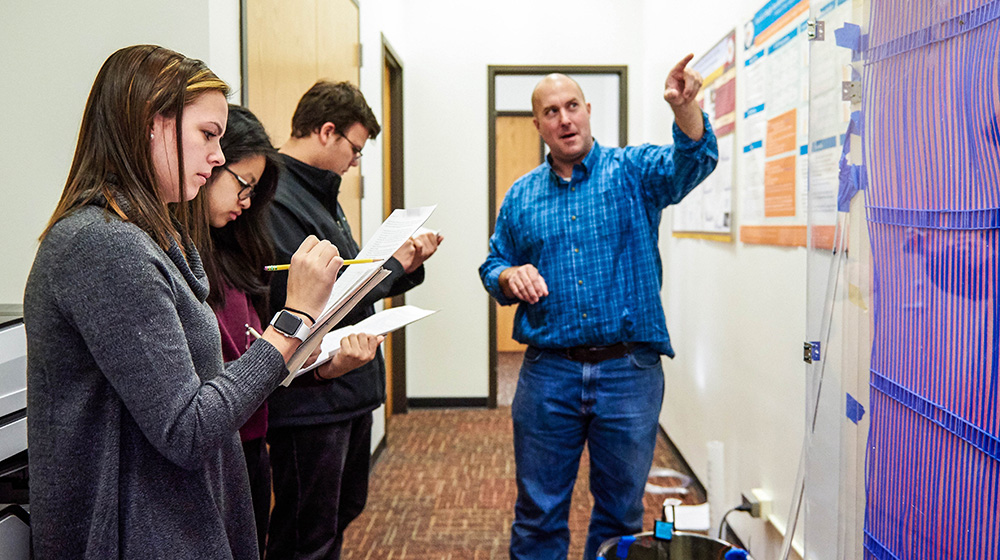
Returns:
(308, 243)
(692, 84)
(679, 67)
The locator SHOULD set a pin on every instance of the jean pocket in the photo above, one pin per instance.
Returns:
(644, 357)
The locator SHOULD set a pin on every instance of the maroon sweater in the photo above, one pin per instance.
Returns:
(233, 318)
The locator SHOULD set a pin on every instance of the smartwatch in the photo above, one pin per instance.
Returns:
(290, 325)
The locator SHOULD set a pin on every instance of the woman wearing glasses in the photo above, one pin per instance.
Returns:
(234, 240)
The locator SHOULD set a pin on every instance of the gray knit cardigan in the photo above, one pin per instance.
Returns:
(132, 416)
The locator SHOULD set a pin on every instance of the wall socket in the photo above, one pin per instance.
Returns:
(759, 501)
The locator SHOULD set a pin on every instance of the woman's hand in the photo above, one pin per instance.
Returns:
(356, 350)
(311, 276)
(313, 357)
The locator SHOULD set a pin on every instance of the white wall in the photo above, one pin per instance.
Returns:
(51, 54)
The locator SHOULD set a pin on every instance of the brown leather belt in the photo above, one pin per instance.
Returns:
(594, 354)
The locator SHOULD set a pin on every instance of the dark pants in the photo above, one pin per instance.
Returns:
(259, 469)
(320, 486)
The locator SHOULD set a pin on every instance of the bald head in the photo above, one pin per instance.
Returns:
(562, 117)
(553, 82)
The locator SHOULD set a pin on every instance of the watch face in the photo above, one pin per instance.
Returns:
(287, 323)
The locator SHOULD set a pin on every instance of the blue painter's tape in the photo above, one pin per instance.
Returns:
(860, 176)
(855, 412)
(849, 36)
(856, 121)
(852, 178)
(623, 545)
(753, 146)
(845, 178)
(663, 530)
(804, 149)
(849, 184)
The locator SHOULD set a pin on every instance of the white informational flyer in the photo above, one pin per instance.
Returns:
(773, 122)
(381, 323)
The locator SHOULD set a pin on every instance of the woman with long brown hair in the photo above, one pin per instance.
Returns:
(132, 415)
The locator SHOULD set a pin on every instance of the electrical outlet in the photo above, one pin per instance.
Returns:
(759, 502)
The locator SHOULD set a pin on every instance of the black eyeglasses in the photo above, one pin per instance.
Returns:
(354, 147)
(246, 189)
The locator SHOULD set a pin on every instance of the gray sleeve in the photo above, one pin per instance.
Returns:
(122, 295)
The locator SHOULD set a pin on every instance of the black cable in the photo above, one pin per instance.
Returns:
(741, 507)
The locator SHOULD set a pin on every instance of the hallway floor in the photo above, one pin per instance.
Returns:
(443, 488)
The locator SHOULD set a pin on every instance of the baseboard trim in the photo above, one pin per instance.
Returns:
(448, 402)
(687, 467)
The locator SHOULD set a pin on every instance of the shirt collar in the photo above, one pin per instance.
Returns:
(584, 166)
(323, 184)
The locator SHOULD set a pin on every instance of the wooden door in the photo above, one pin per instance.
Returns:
(519, 150)
(290, 45)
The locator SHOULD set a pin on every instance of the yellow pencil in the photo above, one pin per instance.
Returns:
(277, 267)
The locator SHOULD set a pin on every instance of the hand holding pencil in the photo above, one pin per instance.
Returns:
(311, 275)
(280, 267)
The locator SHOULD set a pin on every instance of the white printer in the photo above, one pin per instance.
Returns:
(14, 523)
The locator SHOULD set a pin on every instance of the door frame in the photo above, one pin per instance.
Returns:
(493, 71)
(396, 200)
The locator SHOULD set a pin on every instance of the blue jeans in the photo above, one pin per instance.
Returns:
(613, 406)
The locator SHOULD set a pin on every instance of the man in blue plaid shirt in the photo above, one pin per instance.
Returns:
(575, 246)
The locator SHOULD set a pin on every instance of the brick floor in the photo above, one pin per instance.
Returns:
(443, 489)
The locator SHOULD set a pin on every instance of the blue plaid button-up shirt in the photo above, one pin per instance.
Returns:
(594, 241)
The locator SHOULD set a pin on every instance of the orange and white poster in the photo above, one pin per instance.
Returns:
(772, 125)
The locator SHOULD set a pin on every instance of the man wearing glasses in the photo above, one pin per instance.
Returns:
(320, 436)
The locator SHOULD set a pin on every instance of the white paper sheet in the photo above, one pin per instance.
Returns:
(381, 323)
(388, 238)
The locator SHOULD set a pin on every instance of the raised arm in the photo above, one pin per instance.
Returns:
(680, 90)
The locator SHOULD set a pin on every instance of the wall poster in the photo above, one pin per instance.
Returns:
(707, 211)
(772, 127)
